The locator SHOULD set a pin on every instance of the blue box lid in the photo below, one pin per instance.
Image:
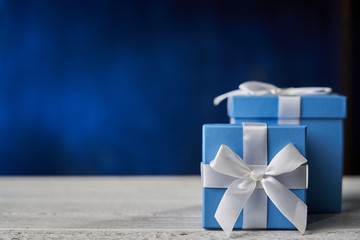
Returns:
(232, 135)
(319, 106)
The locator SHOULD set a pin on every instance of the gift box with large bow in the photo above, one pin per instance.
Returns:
(317, 108)
(254, 176)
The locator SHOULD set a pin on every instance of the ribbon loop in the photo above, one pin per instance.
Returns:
(259, 88)
(281, 162)
(229, 163)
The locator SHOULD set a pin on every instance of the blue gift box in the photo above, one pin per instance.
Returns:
(323, 115)
(214, 135)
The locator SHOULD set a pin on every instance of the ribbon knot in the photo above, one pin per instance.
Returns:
(257, 175)
(227, 162)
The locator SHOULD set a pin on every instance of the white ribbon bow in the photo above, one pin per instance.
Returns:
(227, 162)
(256, 88)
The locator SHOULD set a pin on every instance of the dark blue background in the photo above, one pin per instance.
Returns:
(123, 87)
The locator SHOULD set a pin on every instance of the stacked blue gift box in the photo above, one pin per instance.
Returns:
(317, 135)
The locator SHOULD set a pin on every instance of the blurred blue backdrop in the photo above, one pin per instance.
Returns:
(123, 87)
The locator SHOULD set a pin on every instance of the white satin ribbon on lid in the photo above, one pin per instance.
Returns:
(255, 88)
(240, 191)
(289, 98)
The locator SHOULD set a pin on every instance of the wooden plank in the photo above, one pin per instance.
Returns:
(137, 208)
(105, 203)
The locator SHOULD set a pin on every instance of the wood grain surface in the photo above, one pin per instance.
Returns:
(138, 208)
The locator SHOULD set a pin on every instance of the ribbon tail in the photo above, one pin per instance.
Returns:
(287, 202)
(232, 203)
(306, 91)
(224, 96)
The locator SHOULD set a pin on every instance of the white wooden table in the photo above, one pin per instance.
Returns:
(138, 208)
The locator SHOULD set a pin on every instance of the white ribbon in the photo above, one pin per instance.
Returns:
(255, 153)
(255, 88)
(289, 98)
(236, 197)
(296, 179)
